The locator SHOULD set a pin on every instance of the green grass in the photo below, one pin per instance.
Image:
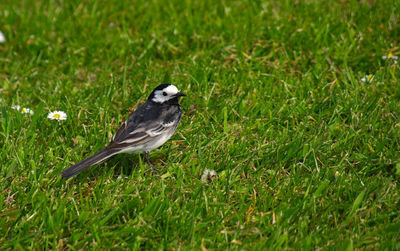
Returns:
(308, 156)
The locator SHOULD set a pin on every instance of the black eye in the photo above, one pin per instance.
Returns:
(164, 93)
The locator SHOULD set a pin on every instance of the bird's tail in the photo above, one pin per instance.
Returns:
(94, 159)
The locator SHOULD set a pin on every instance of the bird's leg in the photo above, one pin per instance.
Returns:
(152, 167)
(146, 157)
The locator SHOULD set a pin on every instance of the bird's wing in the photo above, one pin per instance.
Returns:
(133, 122)
(141, 135)
(122, 129)
(145, 124)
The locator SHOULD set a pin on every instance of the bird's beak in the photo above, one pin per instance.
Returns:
(180, 94)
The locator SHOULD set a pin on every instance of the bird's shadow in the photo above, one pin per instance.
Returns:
(121, 165)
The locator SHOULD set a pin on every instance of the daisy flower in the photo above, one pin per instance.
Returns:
(2, 38)
(390, 56)
(22, 109)
(367, 78)
(208, 176)
(57, 115)
(16, 107)
(26, 110)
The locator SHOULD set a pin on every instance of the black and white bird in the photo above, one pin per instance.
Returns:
(147, 128)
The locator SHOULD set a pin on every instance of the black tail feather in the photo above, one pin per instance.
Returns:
(94, 159)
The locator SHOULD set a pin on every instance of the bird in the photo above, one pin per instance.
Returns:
(146, 129)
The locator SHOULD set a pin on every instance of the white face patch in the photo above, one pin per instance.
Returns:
(165, 94)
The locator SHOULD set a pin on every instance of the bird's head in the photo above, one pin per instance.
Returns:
(165, 93)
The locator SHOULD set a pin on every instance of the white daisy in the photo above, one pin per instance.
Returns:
(337, 174)
(367, 78)
(390, 56)
(26, 110)
(22, 109)
(2, 38)
(57, 115)
(208, 175)
(16, 107)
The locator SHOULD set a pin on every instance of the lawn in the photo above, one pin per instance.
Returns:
(306, 152)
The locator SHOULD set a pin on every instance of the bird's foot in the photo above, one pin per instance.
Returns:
(154, 171)
(152, 167)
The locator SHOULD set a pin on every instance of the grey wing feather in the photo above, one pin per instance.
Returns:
(135, 132)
